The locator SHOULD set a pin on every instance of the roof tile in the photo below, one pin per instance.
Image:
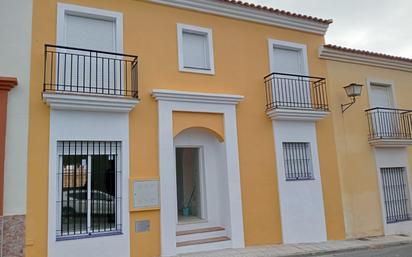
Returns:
(276, 11)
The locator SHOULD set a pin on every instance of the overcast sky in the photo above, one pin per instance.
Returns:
(376, 25)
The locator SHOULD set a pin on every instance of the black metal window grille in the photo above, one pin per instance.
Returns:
(387, 123)
(295, 92)
(298, 161)
(85, 71)
(89, 188)
(396, 194)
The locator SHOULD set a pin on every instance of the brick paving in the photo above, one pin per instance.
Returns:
(309, 249)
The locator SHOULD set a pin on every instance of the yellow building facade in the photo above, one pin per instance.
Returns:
(165, 127)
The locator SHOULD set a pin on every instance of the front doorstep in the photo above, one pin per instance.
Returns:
(88, 102)
(296, 114)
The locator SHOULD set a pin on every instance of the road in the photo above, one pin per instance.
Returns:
(398, 251)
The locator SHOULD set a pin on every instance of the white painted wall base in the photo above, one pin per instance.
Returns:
(301, 202)
(85, 126)
(393, 157)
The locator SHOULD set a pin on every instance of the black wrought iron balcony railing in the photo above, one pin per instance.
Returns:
(387, 123)
(85, 71)
(290, 91)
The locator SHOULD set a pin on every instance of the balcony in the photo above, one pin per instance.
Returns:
(295, 97)
(85, 79)
(389, 127)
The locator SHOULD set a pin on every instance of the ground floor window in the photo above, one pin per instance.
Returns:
(396, 194)
(89, 188)
(298, 161)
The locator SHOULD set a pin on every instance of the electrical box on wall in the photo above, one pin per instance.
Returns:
(146, 194)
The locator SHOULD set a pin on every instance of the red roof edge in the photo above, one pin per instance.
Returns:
(277, 11)
(369, 53)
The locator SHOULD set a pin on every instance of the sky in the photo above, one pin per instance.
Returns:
(383, 26)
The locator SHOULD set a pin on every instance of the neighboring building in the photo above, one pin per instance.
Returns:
(162, 127)
(372, 140)
(15, 52)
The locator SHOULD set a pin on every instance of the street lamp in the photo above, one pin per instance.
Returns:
(352, 90)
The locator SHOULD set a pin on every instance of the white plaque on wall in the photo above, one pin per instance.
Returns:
(146, 194)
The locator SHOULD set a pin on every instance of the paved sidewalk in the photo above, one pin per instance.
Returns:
(311, 249)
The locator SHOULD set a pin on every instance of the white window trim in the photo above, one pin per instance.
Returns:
(380, 82)
(272, 43)
(64, 9)
(195, 29)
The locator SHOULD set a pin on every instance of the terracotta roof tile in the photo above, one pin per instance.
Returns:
(276, 11)
(364, 52)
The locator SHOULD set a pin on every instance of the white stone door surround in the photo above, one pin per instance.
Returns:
(169, 101)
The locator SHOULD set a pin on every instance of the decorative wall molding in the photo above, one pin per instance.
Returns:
(74, 102)
(7, 83)
(249, 14)
(193, 97)
(298, 115)
(342, 55)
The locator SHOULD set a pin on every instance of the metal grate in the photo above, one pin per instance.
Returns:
(87, 71)
(293, 91)
(395, 192)
(298, 163)
(89, 188)
(387, 123)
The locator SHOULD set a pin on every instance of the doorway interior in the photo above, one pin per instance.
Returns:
(190, 185)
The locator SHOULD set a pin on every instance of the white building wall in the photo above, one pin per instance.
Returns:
(301, 202)
(15, 49)
(89, 126)
(387, 158)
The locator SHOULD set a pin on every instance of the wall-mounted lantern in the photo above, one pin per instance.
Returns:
(352, 90)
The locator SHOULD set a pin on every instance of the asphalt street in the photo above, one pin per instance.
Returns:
(398, 251)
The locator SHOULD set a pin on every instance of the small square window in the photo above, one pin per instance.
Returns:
(298, 161)
(195, 49)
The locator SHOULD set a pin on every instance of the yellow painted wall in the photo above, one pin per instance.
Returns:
(241, 62)
(359, 177)
(210, 121)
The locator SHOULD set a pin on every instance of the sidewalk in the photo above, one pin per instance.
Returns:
(309, 249)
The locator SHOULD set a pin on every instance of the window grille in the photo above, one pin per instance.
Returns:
(89, 188)
(395, 193)
(298, 162)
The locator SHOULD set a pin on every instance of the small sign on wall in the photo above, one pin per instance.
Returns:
(146, 194)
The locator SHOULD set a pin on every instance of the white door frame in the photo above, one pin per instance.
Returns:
(169, 101)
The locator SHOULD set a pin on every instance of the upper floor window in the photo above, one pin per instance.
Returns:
(195, 47)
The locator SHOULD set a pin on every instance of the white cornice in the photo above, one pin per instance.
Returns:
(295, 114)
(194, 97)
(77, 102)
(249, 14)
(382, 62)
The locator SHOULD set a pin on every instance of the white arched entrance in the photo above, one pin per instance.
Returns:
(220, 160)
(201, 181)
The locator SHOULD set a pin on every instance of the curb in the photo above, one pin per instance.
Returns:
(350, 249)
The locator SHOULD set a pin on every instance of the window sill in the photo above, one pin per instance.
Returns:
(76, 237)
(299, 179)
(197, 70)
